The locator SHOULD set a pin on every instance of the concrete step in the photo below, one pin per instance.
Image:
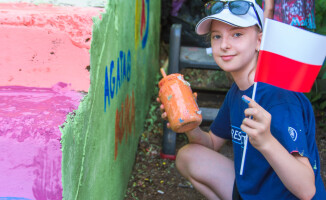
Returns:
(208, 114)
(196, 57)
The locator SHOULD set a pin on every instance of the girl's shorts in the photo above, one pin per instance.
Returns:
(235, 193)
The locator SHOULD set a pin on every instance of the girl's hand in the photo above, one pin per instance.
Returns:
(164, 114)
(256, 124)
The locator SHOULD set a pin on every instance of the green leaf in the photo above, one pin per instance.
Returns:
(317, 97)
(323, 105)
(324, 76)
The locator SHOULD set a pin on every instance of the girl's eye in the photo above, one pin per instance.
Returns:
(237, 34)
(216, 36)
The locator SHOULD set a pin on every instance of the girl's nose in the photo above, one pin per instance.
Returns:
(225, 44)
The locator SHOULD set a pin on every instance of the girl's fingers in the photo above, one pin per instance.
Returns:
(164, 116)
(162, 107)
(252, 127)
(250, 123)
(250, 102)
(255, 110)
(251, 112)
(246, 129)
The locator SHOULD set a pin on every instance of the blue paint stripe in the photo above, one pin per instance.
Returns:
(13, 198)
(236, 142)
(144, 41)
(235, 127)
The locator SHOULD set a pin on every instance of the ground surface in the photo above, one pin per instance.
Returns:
(154, 178)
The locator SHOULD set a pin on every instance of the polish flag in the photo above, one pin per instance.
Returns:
(289, 57)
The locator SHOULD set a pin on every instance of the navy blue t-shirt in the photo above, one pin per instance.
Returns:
(293, 125)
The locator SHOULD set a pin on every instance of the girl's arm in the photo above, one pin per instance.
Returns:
(198, 136)
(207, 139)
(294, 170)
(269, 9)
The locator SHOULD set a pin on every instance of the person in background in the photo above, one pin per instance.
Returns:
(282, 159)
(299, 13)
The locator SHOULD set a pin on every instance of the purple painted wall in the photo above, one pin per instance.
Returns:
(30, 157)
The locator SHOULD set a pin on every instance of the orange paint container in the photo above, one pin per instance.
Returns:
(179, 103)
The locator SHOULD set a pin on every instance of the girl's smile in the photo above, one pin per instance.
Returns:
(227, 57)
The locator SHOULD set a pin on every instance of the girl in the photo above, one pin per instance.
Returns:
(282, 159)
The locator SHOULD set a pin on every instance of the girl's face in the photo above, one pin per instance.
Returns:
(234, 48)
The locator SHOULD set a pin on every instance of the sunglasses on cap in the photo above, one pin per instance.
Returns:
(236, 7)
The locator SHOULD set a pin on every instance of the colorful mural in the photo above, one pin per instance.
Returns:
(113, 82)
(59, 142)
(142, 22)
(99, 141)
(124, 122)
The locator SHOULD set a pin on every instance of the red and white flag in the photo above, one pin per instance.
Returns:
(289, 57)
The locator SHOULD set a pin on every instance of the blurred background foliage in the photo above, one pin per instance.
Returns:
(317, 96)
(320, 8)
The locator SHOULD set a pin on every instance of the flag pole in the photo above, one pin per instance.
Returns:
(246, 137)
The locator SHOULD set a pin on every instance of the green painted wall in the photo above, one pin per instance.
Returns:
(100, 139)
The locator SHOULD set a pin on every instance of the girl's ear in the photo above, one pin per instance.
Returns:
(260, 34)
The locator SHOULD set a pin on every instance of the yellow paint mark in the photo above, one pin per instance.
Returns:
(137, 21)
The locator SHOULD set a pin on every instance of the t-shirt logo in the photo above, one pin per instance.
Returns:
(238, 135)
(293, 133)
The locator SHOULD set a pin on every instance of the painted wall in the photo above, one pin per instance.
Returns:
(100, 140)
(83, 3)
(44, 54)
(43, 45)
(30, 158)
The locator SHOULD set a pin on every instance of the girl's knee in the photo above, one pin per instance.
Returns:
(185, 156)
(181, 158)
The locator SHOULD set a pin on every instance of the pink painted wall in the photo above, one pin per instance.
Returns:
(42, 45)
(30, 158)
(44, 53)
